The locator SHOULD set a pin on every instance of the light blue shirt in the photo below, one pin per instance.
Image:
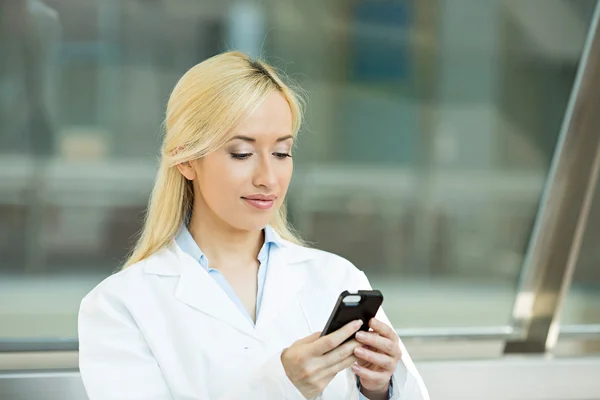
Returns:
(188, 245)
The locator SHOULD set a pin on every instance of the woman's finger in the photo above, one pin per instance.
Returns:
(383, 329)
(340, 353)
(377, 378)
(310, 338)
(380, 360)
(379, 343)
(340, 366)
(329, 342)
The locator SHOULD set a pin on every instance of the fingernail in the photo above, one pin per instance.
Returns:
(359, 351)
(355, 367)
(361, 335)
(358, 323)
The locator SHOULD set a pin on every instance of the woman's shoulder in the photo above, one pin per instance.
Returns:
(130, 281)
(116, 287)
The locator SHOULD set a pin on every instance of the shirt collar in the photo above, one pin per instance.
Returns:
(272, 237)
(188, 245)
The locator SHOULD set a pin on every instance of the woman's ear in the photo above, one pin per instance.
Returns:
(187, 170)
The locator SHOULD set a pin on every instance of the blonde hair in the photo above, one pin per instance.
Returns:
(207, 103)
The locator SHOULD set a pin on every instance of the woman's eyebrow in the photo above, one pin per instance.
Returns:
(252, 140)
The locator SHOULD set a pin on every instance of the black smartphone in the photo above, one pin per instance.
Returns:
(363, 304)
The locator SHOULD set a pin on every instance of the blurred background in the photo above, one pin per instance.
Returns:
(430, 131)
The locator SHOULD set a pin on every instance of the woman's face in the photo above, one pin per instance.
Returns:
(244, 183)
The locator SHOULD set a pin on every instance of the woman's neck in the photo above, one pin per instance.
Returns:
(223, 244)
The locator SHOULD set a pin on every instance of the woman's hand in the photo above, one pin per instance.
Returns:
(312, 362)
(377, 358)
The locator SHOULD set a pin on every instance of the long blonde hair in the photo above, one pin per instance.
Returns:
(207, 103)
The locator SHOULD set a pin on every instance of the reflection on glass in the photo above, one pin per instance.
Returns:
(429, 131)
(29, 34)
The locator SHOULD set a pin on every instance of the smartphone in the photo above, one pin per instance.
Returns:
(363, 304)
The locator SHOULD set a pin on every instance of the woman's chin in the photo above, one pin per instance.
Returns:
(252, 223)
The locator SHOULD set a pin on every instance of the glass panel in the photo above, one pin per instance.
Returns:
(429, 177)
(429, 131)
(582, 304)
(580, 316)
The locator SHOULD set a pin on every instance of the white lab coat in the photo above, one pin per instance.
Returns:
(164, 330)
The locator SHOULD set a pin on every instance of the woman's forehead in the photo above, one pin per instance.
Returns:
(270, 121)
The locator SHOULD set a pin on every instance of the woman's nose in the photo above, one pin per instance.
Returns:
(265, 174)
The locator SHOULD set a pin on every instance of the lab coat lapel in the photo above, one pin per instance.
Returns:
(198, 289)
(285, 279)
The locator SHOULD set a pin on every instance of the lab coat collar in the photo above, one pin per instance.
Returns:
(186, 242)
(196, 288)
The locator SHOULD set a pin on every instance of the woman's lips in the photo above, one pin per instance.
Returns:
(261, 202)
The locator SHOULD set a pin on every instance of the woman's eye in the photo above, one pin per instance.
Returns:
(282, 155)
(240, 156)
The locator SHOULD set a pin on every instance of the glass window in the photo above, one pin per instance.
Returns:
(582, 304)
(429, 132)
(580, 315)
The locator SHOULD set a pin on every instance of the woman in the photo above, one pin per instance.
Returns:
(219, 299)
